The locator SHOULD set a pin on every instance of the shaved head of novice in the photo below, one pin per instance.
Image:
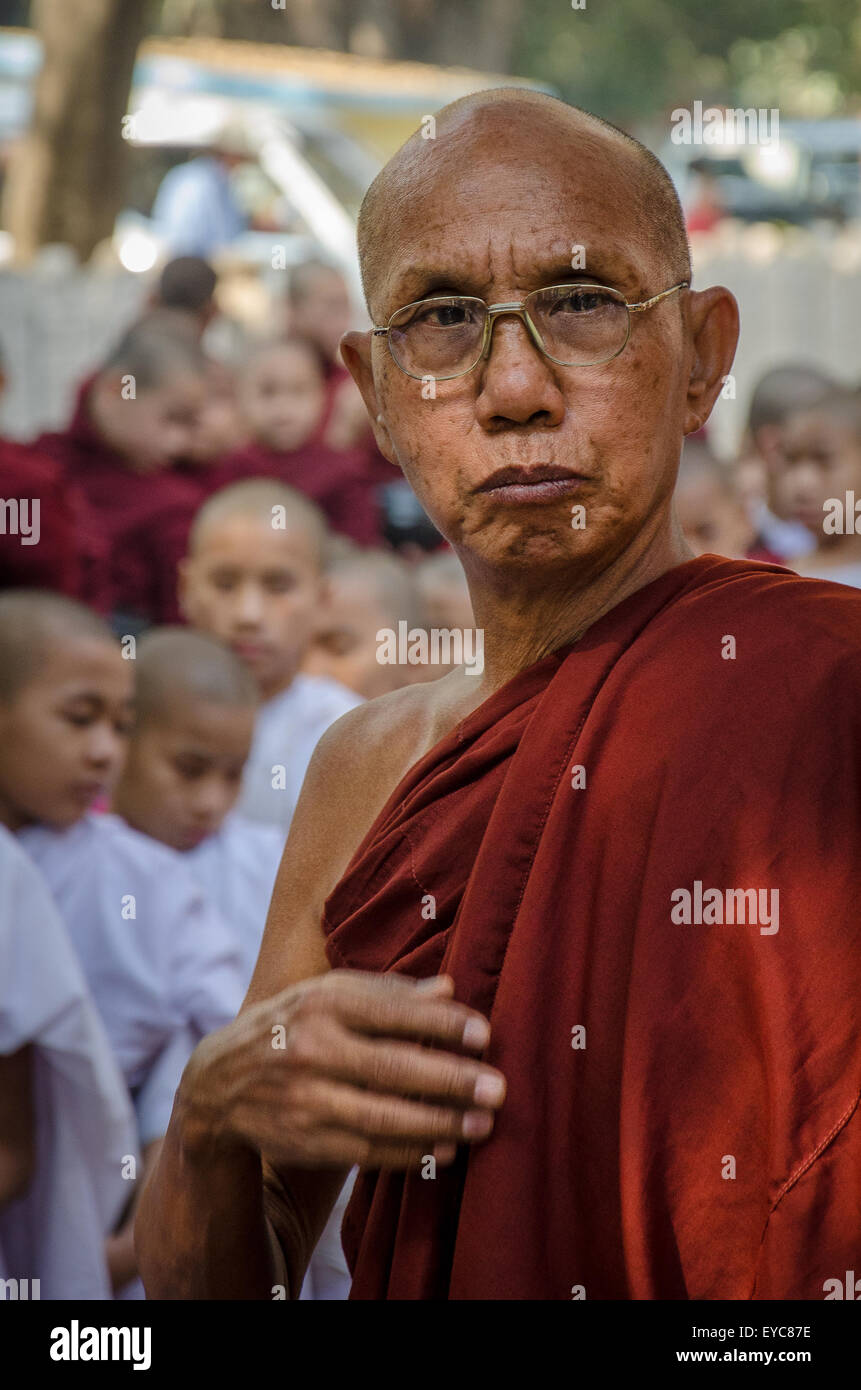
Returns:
(194, 704)
(566, 956)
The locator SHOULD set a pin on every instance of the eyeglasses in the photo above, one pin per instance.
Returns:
(573, 325)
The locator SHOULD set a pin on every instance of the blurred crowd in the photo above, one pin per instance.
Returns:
(788, 498)
(219, 544)
(193, 574)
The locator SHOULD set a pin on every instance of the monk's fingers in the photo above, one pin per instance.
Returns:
(411, 1070)
(392, 1006)
(338, 1148)
(320, 1104)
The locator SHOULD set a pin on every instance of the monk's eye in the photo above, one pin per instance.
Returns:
(223, 580)
(338, 641)
(443, 316)
(189, 768)
(279, 583)
(80, 719)
(578, 302)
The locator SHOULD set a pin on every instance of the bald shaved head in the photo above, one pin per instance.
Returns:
(258, 499)
(367, 590)
(536, 469)
(389, 581)
(509, 125)
(784, 390)
(196, 706)
(31, 623)
(65, 709)
(176, 665)
(444, 590)
(157, 348)
(698, 462)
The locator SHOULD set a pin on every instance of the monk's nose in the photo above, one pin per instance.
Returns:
(105, 747)
(518, 384)
(249, 605)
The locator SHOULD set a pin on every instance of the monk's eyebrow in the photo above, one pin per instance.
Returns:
(94, 699)
(422, 282)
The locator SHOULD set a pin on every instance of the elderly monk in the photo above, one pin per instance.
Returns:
(617, 876)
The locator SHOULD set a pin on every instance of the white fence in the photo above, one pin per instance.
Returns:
(800, 301)
(55, 327)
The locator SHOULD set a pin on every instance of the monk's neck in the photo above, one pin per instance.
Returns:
(271, 689)
(524, 624)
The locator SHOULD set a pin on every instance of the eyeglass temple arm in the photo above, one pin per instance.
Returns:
(656, 298)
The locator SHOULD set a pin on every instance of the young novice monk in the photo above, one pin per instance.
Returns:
(253, 578)
(367, 591)
(822, 483)
(133, 418)
(195, 704)
(158, 959)
(281, 396)
(66, 1126)
(711, 513)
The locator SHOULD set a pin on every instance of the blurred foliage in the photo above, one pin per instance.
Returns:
(627, 60)
(635, 58)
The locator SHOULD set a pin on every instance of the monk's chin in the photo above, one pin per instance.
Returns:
(547, 549)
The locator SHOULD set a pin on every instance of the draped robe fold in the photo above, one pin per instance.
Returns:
(681, 1119)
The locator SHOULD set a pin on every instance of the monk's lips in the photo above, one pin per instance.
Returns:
(541, 490)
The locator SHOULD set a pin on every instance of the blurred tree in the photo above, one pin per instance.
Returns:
(629, 61)
(637, 58)
(480, 34)
(66, 177)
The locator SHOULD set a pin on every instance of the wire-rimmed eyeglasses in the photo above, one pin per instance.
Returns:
(574, 325)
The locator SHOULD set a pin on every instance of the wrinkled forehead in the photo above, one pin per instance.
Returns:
(497, 217)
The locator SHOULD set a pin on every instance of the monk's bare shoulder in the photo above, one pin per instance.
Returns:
(373, 746)
(355, 768)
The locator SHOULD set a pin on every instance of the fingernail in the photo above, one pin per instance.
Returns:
(476, 1032)
(476, 1124)
(489, 1090)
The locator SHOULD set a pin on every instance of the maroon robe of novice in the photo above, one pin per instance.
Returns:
(333, 478)
(58, 559)
(682, 1117)
(119, 501)
(376, 469)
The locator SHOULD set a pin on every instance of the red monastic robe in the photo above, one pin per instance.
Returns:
(54, 560)
(121, 504)
(375, 468)
(682, 1116)
(333, 478)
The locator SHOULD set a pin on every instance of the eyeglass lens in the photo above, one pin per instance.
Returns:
(577, 325)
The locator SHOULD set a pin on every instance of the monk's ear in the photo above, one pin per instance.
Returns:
(356, 354)
(112, 385)
(713, 319)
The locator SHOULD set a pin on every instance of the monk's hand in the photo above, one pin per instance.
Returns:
(349, 1068)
